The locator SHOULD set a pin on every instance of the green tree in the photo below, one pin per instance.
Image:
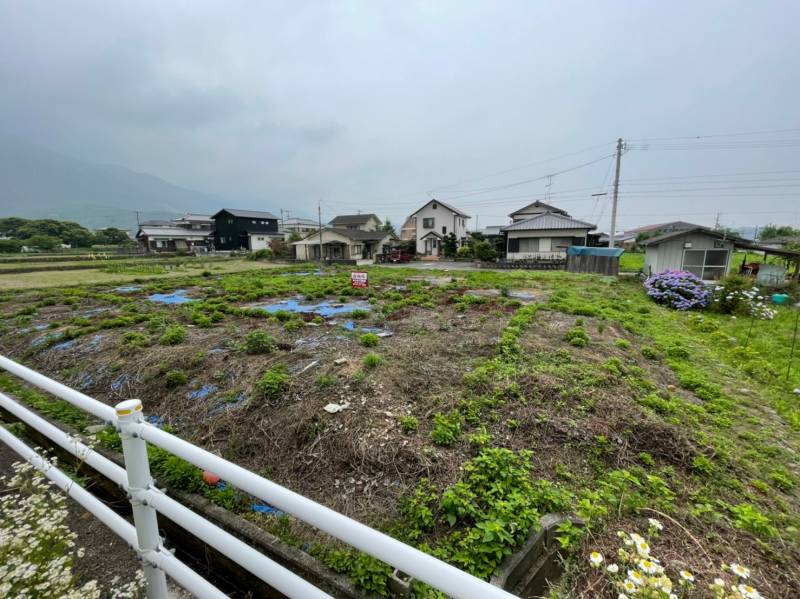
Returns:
(387, 226)
(450, 245)
(484, 250)
(9, 226)
(772, 230)
(111, 236)
(10, 246)
(43, 242)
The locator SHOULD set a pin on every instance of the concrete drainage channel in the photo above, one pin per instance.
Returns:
(525, 573)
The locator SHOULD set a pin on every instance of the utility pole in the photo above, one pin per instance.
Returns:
(613, 232)
(319, 219)
(716, 222)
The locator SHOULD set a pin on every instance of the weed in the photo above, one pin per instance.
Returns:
(408, 423)
(174, 334)
(446, 428)
(622, 343)
(135, 339)
(369, 339)
(748, 517)
(259, 342)
(175, 378)
(273, 382)
(577, 336)
(371, 360)
(325, 380)
(650, 353)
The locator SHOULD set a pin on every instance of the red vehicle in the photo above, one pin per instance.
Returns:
(396, 256)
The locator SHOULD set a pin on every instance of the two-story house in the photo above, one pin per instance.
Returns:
(244, 229)
(189, 233)
(435, 221)
(540, 230)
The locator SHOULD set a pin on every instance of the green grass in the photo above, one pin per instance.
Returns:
(631, 261)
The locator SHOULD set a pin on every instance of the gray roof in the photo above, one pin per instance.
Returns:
(548, 220)
(446, 205)
(195, 217)
(695, 229)
(492, 230)
(356, 234)
(539, 204)
(171, 232)
(353, 219)
(246, 213)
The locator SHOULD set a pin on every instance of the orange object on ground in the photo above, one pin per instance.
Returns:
(210, 478)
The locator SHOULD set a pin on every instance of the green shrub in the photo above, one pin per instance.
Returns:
(577, 336)
(622, 343)
(273, 382)
(782, 480)
(408, 423)
(135, 339)
(371, 360)
(325, 380)
(263, 254)
(446, 428)
(259, 342)
(369, 339)
(359, 314)
(702, 465)
(650, 353)
(748, 517)
(175, 378)
(174, 334)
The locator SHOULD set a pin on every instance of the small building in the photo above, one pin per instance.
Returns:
(699, 250)
(435, 221)
(408, 232)
(359, 222)
(173, 239)
(542, 231)
(301, 226)
(195, 222)
(344, 244)
(244, 229)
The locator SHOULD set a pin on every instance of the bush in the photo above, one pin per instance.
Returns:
(465, 251)
(577, 336)
(369, 339)
(650, 353)
(175, 378)
(371, 360)
(273, 382)
(484, 251)
(259, 342)
(678, 289)
(133, 339)
(735, 294)
(446, 428)
(408, 423)
(174, 334)
(260, 255)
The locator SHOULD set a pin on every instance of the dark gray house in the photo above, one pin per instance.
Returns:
(244, 229)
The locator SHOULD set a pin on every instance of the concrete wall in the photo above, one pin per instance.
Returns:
(442, 217)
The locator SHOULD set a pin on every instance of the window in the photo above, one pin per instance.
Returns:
(427, 223)
(560, 243)
(444, 230)
(709, 265)
(434, 206)
(529, 244)
(356, 250)
(230, 221)
(252, 221)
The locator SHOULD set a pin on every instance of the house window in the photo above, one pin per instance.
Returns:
(434, 206)
(528, 244)
(222, 240)
(356, 250)
(444, 230)
(427, 223)
(252, 221)
(709, 265)
(560, 243)
(230, 221)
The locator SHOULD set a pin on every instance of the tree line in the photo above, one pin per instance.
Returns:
(47, 234)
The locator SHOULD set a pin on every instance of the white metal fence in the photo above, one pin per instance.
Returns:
(147, 501)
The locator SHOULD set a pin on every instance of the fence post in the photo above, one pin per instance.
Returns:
(134, 450)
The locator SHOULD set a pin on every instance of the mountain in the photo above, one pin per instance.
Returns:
(39, 183)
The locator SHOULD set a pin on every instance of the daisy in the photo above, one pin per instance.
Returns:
(740, 571)
(648, 566)
(636, 577)
(596, 559)
(643, 549)
(686, 575)
(748, 591)
(612, 568)
(655, 524)
(629, 586)
(718, 582)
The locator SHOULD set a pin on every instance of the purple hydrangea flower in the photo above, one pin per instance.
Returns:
(678, 289)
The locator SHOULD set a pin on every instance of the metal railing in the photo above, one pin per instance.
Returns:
(147, 501)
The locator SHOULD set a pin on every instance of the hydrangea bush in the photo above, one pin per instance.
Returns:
(37, 548)
(637, 573)
(678, 289)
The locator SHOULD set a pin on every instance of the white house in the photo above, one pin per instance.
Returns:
(435, 221)
(343, 244)
(542, 231)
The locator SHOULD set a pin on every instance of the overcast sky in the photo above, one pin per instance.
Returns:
(377, 106)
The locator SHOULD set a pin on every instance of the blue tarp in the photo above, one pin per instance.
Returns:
(582, 250)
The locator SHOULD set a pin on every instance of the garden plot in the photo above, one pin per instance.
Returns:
(436, 407)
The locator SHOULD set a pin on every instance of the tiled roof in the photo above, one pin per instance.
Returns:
(353, 219)
(548, 220)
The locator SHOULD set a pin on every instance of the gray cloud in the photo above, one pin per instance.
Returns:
(368, 105)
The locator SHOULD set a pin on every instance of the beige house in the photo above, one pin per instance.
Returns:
(343, 244)
(542, 231)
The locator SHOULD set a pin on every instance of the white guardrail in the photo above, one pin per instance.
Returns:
(147, 501)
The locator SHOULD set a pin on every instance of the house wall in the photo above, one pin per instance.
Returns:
(352, 249)
(545, 237)
(443, 217)
(234, 230)
(669, 254)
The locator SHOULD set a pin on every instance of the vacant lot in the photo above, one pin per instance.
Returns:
(452, 409)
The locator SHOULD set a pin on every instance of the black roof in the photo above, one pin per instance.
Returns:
(353, 219)
(246, 213)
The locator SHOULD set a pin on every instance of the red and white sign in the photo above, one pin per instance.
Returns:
(359, 279)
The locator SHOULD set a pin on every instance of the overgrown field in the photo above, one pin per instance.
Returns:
(497, 397)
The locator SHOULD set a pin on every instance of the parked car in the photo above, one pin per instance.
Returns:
(395, 256)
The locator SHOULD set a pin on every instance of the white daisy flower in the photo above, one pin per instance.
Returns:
(629, 586)
(740, 571)
(612, 568)
(596, 559)
(648, 566)
(636, 577)
(686, 575)
(655, 524)
(718, 582)
(748, 591)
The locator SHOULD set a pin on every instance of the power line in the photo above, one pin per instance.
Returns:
(747, 174)
(715, 135)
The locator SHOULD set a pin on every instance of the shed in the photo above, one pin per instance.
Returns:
(604, 261)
